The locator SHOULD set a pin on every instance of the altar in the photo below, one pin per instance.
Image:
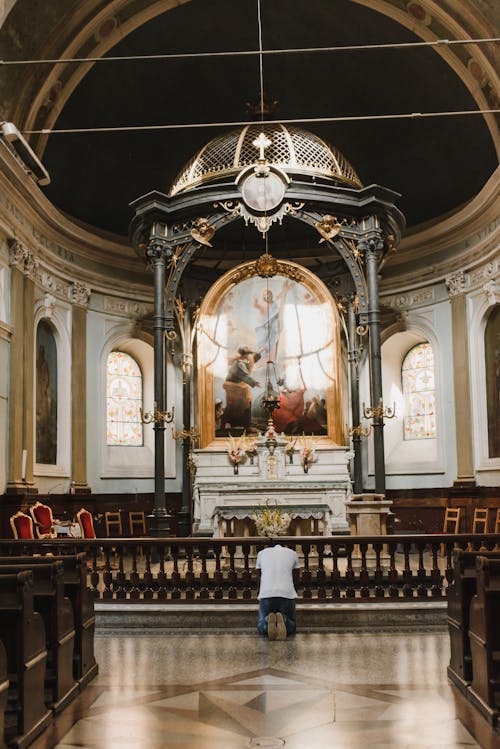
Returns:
(225, 501)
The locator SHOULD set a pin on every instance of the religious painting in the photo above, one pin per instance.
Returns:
(492, 356)
(46, 395)
(259, 333)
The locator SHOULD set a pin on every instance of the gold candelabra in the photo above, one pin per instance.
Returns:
(359, 430)
(380, 411)
(191, 434)
(157, 416)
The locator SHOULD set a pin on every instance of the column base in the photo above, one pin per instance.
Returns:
(159, 525)
(184, 524)
(79, 489)
(20, 488)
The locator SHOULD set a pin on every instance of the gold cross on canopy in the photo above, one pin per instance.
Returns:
(262, 143)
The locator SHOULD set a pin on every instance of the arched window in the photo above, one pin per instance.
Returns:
(46, 394)
(123, 400)
(417, 374)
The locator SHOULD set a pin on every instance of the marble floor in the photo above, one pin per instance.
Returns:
(192, 690)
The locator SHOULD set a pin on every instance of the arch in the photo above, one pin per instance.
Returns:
(418, 384)
(51, 312)
(124, 400)
(480, 306)
(87, 41)
(269, 330)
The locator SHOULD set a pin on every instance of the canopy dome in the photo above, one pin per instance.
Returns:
(292, 149)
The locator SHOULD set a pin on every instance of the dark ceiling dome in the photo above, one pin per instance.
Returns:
(292, 149)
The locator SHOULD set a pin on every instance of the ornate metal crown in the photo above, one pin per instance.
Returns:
(292, 150)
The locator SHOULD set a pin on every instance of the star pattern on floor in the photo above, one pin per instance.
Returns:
(230, 712)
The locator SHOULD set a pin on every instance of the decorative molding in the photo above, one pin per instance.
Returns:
(456, 283)
(126, 307)
(53, 285)
(5, 331)
(22, 258)
(409, 300)
(79, 294)
(482, 275)
(49, 303)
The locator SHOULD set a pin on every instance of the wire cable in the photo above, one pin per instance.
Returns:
(242, 123)
(252, 52)
(261, 61)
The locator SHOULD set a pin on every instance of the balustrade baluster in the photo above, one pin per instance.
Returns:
(148, 577)
(393, 573)
(435, 572)
(218, 576)
(407, 572)
(204, 592)
(335, 574)
(378, 576)
(94, 574)
(176, 578)
(135, 593)
(161, 577)
(350, 591)
(189, 577)
(107, 576)
(247, 575)
(120, 579)
(306, 572)
(422, 590)
(320, 575)
(364, 578)
(232, 576)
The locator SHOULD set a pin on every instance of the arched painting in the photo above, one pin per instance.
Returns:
(256, 331)
(492, 356)
(46, 395)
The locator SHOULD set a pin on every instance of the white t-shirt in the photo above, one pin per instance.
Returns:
(276, 564)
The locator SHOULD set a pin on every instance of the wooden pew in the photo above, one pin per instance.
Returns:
(4, 689)
(57, 613)
(23, 634)
(460, 594)
(82, 600)
(484, 635)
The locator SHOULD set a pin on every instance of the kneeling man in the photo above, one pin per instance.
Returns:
(277, 593)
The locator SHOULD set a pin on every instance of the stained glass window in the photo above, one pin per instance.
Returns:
(419, 393)
(123, 400)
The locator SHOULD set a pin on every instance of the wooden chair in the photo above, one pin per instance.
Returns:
(497, 522)
(43, 520)
(137, 521)
(451, 523)
(22, 526)
(113, 522)
(480, 520)
(86, 523)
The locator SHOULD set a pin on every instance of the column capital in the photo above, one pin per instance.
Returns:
(456, 283)
(79, 294)
(22, 258)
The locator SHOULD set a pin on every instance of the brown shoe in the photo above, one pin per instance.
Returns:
(272, 631)
(280, 627)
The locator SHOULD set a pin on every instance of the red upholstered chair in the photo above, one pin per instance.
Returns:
(44, 520)
(86, 523)
(22, 526)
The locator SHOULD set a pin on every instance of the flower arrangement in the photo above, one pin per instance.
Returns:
(236, 451)
(271, 521)
(290, 447)
(306, 451)
(251, 448)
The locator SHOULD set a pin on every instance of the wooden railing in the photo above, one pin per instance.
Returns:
(335, 568)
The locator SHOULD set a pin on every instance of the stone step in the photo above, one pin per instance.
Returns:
(313, 617)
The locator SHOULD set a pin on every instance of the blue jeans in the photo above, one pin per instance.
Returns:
(285, 606)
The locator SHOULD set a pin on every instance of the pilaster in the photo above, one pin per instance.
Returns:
(456, 284)
(79, 296)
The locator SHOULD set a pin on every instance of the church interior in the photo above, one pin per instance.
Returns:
(249, 288)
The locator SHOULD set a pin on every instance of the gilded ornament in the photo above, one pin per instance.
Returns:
(202, 232)
(266, 266)
(328, 228)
